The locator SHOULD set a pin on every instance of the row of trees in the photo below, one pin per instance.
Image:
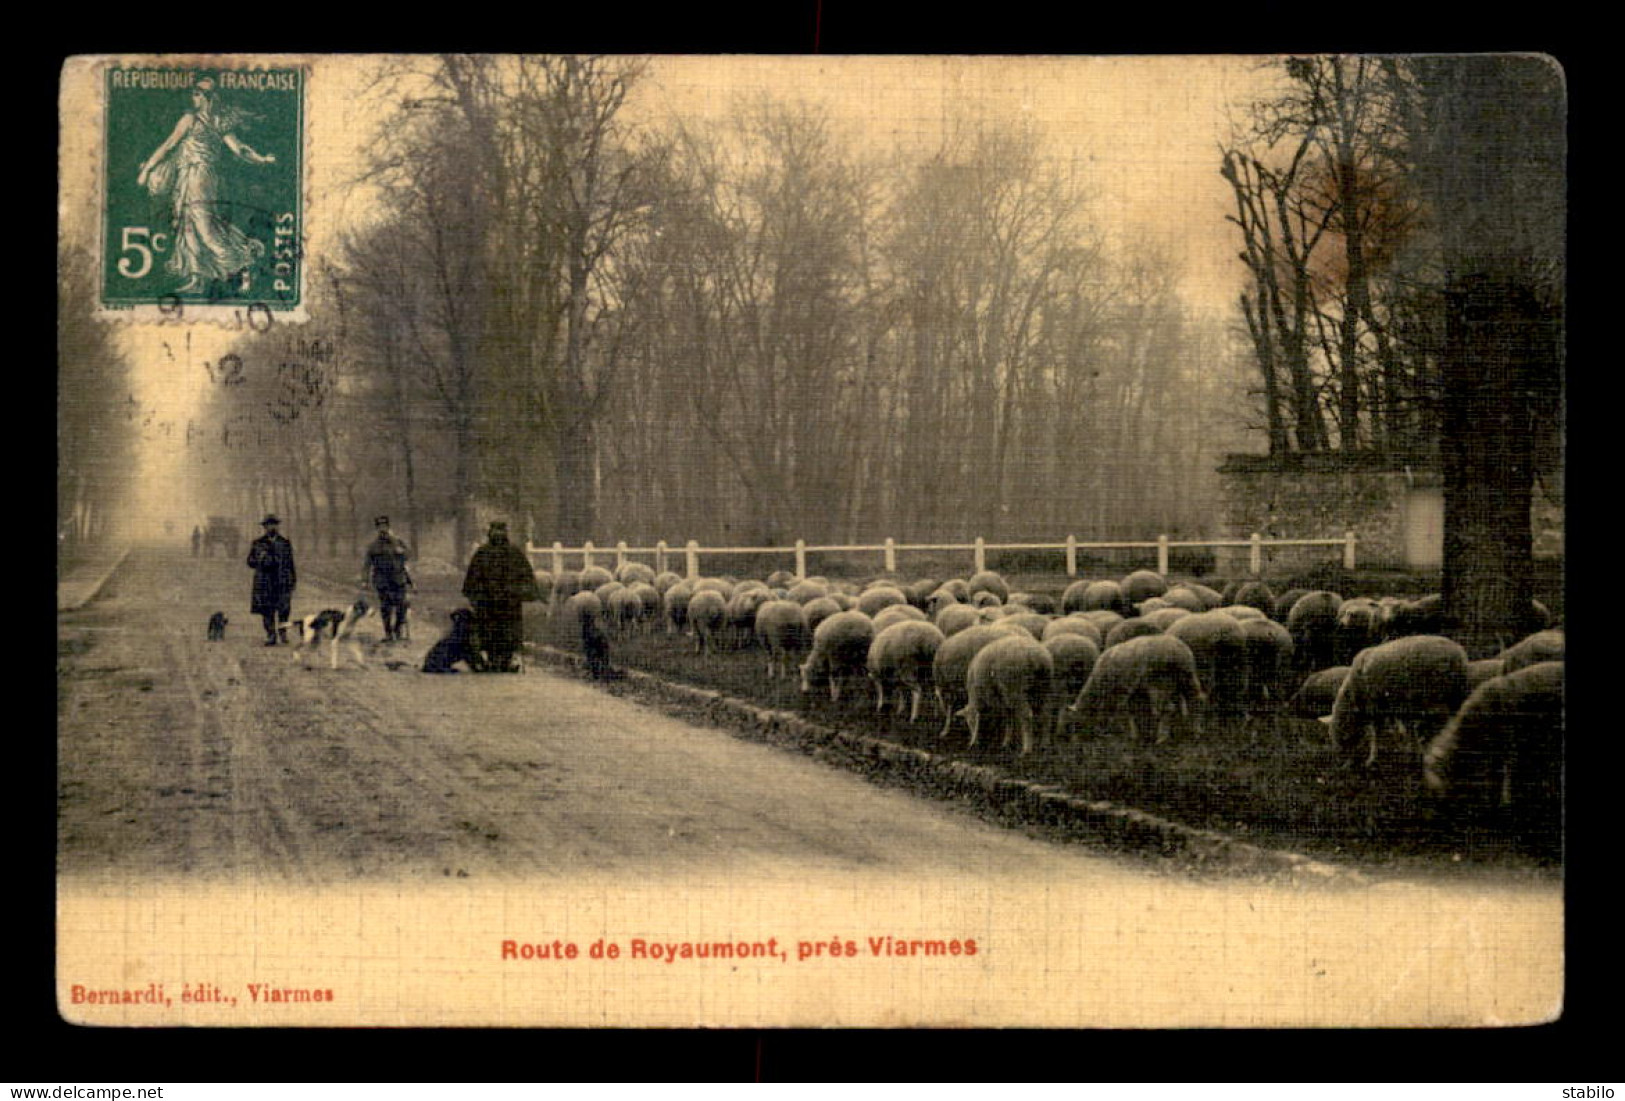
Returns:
(98, 419)
(739, 331)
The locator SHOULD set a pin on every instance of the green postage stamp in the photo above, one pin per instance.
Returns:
(202, 190)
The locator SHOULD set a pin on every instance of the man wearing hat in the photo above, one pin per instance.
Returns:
(271, 558)
(387, 573)
(498, 583)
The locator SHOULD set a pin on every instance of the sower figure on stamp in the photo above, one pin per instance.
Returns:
(498, 583)
(271, 558)
(389, 577)
(186, 169)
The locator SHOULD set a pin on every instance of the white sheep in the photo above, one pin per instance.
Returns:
(840, 648)
(901, 656)
(1008, 681)
(1412, 684)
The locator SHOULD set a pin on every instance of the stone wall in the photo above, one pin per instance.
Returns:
(1323, 496)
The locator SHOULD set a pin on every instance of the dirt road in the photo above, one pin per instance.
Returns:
(180, 755)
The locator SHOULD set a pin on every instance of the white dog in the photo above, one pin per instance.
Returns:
(336, 626)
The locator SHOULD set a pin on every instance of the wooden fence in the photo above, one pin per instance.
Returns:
(664, 554)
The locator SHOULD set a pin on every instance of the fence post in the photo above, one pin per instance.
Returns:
(1255, 556)
(1162, 555)
(801, 560)
(660, 556)
(558, 558)
(891, 555)
(586, 554)
(981, 554)
(692, 552)
(620, 553)
(1072, 556)
(1348, 551)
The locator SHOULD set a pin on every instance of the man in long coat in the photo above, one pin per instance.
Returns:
(271, 558)
(498, 583)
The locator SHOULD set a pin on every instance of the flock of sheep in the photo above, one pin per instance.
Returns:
(1137, 656)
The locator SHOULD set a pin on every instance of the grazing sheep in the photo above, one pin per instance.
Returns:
(1031, 622)
(1414, 684)
(1073, 625)
(959, 589)
(1040, 603)
(1241, 612)
(1074, 657)
(1219, 647)
(1136, 627)
(1162, 617)
(1254, 594)
(1008, 681)
(650, 601)
(586, 611)
(717, 585)
(781, 629)
(623, 609)
(1312, 621)
(708, 615)
(1359, 625)
(955, 618)
(665, 581)
(1105, 596)
(1149, 676)
(1504, 749)
(593, 576)
(805, 592)
(1103, 618)
(988, 582)
(1282, 608)
(840, 648)
(1228, 594)
(952, 663)
(1538, 647)
(821, 609)
(1316, 695)
(566, 583)
(676, 601)
(780, 579)
(1414, 617)
(607, 590)
(628, 572)
(901, 656)
(986, 599)
(544, 584)
(884, 596)
(919, 592)
(1480, 671)
(1072, 597)
(1209, 598)
(1142, 585)
(742, 608)
(1268, 647)
(1178, 597)
(844, 600)
(898, 613)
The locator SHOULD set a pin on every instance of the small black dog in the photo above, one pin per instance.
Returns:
(454, 647)
(217, 626)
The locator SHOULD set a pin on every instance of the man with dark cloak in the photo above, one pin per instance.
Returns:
(271, 558)
(498, 583)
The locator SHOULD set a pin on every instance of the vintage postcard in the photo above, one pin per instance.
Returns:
(810, 541)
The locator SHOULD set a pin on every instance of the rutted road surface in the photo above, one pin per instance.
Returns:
(214, 759)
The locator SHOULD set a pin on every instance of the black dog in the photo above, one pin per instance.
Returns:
(454, 647)
(217, 626)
